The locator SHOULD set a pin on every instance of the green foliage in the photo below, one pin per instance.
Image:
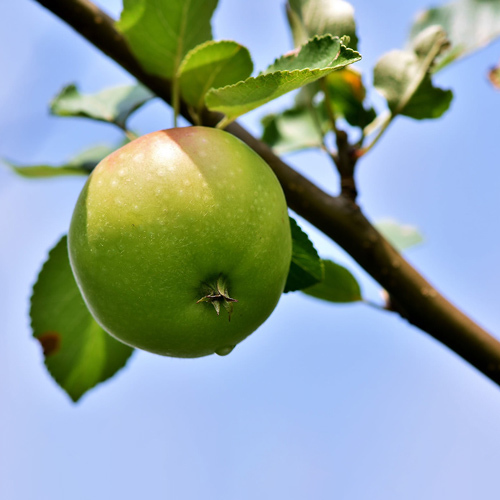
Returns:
(81, 164)
(308, 18)
(326, 53)
(173, 39)
(161, 32)
(212, 65)
(338, 285)
(347, 94)
(401, 236)
(306, 268)
(342, 92)
(294, 129)
(112, 105)
(306, 124)
(78, 352)
(469, 24)
(316, 59)
(403, 78)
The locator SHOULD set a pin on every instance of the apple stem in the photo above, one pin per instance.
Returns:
(217, 294)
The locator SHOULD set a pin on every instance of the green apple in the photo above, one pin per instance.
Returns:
(180, 242)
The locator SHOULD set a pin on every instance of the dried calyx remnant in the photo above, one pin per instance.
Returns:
(216, 294)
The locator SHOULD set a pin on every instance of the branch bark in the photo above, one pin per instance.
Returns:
(412, 296)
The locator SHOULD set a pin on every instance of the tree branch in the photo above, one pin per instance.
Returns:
(338, 217)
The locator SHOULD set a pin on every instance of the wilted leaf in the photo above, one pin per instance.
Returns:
(308, 18)
(78, 352)
(306, 268)
(338, 285)
(212, 65)
(317, 58)
(161, 32)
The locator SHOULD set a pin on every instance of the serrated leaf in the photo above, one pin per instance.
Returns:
(316, 59)
(338, 285)
(78, 353)
(347, 94)
(81, 164)
(161, 32)
(470, 25)
(403, 79)
(308, 18)
(212, 65)
(401, 236)
(320, 52)
(112, 105)
(293, 130)
(306, 268)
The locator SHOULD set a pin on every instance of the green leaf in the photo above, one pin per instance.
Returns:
(326, 53)
(470, 25)
(401, 236)
(113, 105)
(306, 268)
(403, 78)
(316, 59)
(347, 94)
(338, 285)
(308, 18)
(293, 130)
(212, 65)
(432, 40)
(161, 32)
(81, 164)
(78, 353)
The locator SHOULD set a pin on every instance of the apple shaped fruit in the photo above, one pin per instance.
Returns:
(180, 242)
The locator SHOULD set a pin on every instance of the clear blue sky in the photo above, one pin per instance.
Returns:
(324, 401)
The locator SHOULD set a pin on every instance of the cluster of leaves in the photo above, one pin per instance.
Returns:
(438, 37)
(173, 39)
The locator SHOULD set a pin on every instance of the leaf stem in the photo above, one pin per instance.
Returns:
(383, 127)
(369, 303)
(131, 136)
(223, 123)
(175, 98)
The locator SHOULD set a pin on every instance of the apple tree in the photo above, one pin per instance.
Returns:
(167, 46)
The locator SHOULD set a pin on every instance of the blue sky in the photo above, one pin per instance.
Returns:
(323, 401)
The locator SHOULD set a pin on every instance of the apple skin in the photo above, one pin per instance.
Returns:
(164, 216)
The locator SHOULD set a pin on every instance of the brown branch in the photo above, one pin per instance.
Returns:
(338, 217)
